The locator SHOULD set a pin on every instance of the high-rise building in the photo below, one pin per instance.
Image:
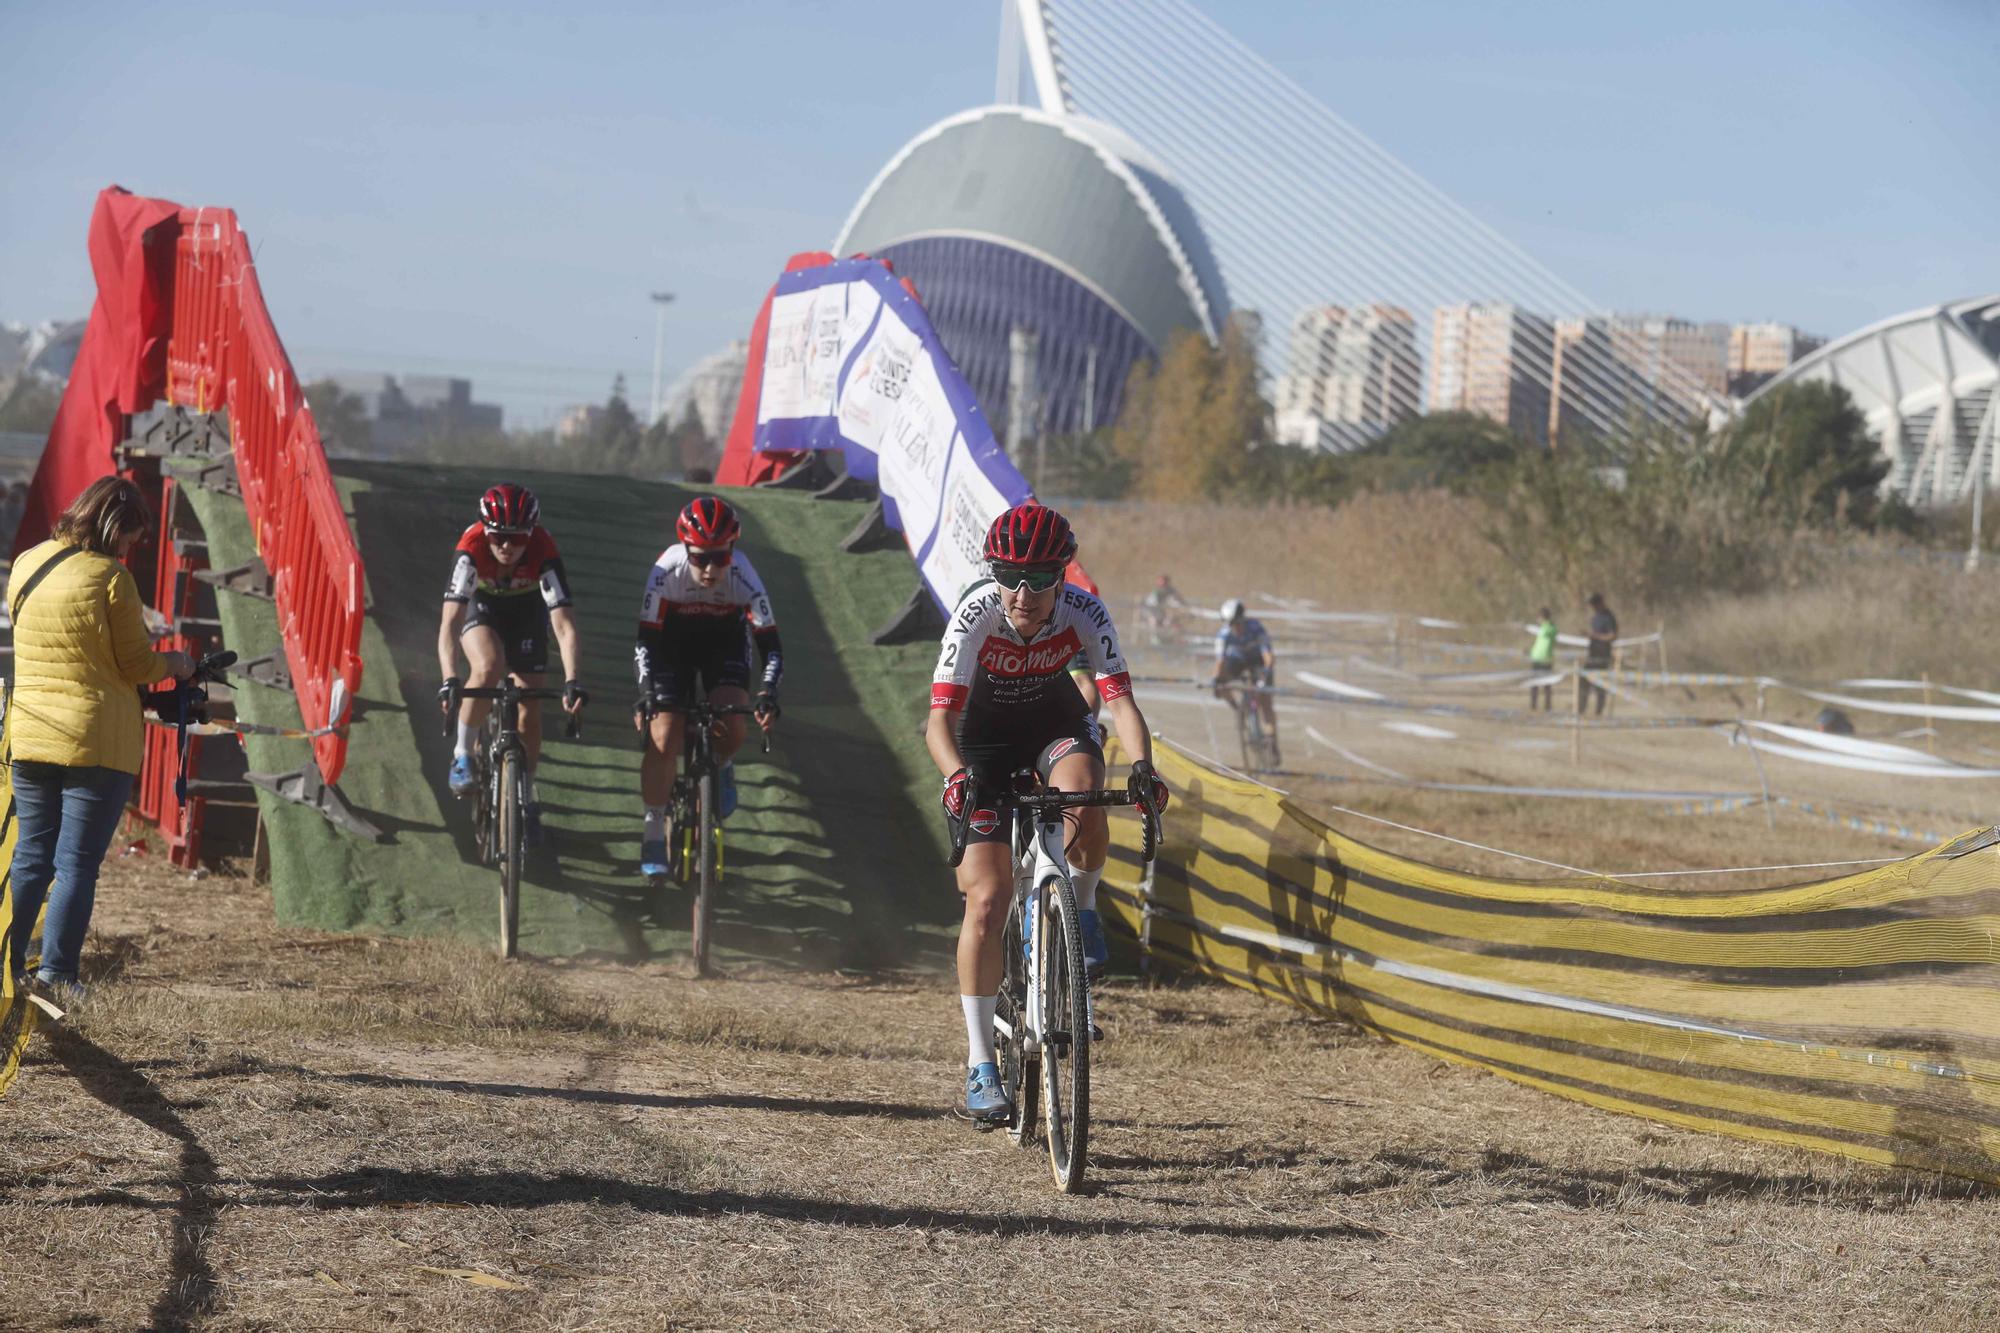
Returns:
(1495, 359)
(1349, 377)
(1611, 370)
(1759, 351)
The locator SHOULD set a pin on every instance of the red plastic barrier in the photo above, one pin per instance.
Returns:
(173, 595)
(225, 354)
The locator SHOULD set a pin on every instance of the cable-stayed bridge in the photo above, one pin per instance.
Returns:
(1382, 294)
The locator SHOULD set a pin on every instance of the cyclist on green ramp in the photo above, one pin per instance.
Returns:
(705, 611)
(1002, 700)
(507, 593)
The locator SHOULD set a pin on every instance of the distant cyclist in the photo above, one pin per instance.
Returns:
(1002, 700)
(1161, 608)
(704, 613)
(507, 592)
(1243, 652)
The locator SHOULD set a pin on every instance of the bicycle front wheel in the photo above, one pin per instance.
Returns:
(510, 845)
(705, 872)
(1020, 1071)
(1065, 1032)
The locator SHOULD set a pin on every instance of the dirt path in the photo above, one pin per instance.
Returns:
(252, 1127)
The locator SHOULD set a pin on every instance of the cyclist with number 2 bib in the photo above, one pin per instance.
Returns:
(507, 592)
(704, 612)
(1002, 700)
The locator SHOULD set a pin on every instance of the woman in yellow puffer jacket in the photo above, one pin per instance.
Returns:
(80, 653)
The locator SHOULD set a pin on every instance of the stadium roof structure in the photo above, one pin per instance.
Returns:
(1053, 254)
(1077, 194)
(1928, 384)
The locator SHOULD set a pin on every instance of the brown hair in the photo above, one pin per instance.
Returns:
(109, 508)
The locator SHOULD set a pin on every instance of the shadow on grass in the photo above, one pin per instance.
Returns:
(384, 1187)
(191, 1290)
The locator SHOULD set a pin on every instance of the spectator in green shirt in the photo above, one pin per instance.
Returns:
(1542, 661)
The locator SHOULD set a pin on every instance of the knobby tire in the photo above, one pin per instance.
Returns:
(511, 846)
(705, 875)
(1065, 1033)
(1020, 1073)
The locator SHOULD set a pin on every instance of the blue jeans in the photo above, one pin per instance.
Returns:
(66, 819)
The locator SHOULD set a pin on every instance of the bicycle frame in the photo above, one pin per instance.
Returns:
(692, 793)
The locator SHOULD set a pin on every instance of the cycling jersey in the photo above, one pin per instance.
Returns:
(476, 574)
(682, 624)
(1242, 648)
(985, 666)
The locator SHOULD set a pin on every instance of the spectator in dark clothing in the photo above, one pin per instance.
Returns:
(1596, 657)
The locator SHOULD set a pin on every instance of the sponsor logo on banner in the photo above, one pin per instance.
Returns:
(1001, 657)
(891, 373)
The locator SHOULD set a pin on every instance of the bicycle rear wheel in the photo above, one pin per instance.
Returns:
(510, 845)
(705, 871)
(1065, 1033)
(1020, 1072)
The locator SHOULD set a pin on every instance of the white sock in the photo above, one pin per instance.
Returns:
(1085, 883)
(656, 822)
(979, 1011)
(528, 792)
(468, 737)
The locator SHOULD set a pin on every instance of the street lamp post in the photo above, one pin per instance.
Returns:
(661, 300)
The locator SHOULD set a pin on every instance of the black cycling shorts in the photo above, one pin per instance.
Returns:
(522, 622)
(1252, 671)
(714, 663)
(994, 763)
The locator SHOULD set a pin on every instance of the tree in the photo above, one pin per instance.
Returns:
(29, 405)
(342, 418)
(1190, 424)
(1453, 450)
(1801, 455)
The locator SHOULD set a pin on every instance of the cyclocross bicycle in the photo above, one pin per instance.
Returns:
(500, 816)
(1043, 1026)
(1259, 746)
(694, 853)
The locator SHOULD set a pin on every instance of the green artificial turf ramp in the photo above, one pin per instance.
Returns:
(834, 856)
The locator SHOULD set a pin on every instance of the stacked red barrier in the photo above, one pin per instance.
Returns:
(173, 595)
(225, 354)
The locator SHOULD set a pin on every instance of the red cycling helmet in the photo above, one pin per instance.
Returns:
(707, 521)
(1030, 534)
(509, 508)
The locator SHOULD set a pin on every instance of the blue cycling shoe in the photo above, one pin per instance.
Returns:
(725, 791)
(1096, 953)
(531, 827)
(986, 1101)
(462, 779)
(653, 858)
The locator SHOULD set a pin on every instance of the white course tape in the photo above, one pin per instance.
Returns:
(1332, 686)
(1425, 730)
(1960, 712)
(1314, 734)
(1917, 764)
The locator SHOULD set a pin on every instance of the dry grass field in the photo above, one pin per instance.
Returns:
(249, 1127)
(254, 1127)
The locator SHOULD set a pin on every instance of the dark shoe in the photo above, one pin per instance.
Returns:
(532, 824)
(725, 791)
(653, 858)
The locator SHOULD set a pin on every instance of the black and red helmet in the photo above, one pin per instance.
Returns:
(509, 508)
(1030, 534)
(707, 521)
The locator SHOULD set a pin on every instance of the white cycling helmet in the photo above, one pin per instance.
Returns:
(1232, 609)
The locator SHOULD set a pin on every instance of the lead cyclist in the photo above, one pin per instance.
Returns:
(1002, 699)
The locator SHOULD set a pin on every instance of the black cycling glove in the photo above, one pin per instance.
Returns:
(574, 695)
(449, 691)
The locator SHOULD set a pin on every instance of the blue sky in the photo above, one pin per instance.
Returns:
(493, 190)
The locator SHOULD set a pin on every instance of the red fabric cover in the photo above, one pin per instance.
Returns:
(121, 368)
(742, 465)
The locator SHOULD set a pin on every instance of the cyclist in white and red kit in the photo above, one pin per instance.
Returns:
(1002, 700)
(704, 614)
